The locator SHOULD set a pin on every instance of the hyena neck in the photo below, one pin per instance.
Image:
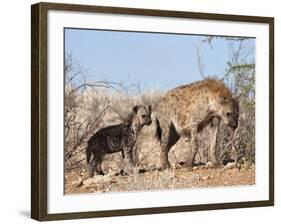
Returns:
(133, 124)
(136, 126)
(136, 129)
(129, 128)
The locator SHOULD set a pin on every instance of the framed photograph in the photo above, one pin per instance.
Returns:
(141, 111)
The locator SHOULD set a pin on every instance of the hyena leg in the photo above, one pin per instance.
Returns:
(213, 130)
(94, 163)
(194, 147)
(168, 139)
(98, 157)
(91, 166)
(128, 158)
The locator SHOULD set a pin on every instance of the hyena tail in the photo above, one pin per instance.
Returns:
(88, 154)
(89, 159)
(158, 133)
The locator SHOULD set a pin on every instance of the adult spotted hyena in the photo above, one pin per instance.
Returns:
(115, 138)
(186, 110)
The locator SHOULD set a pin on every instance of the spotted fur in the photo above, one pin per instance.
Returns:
(121, 137)
(188, 109)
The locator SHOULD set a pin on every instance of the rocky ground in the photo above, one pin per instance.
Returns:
(181, 177)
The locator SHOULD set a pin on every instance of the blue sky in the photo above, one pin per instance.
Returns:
(158, 61)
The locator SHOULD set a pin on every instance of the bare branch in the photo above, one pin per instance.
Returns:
(200, 64)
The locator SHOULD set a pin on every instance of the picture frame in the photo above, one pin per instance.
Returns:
(40, 109)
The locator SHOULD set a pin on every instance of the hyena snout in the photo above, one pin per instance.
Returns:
(145, 115)
(233, 125)
(148, 120)
(232, 120)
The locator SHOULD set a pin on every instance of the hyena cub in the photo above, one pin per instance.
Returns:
(115, 138)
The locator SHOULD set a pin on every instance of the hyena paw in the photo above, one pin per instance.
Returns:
(164, 166)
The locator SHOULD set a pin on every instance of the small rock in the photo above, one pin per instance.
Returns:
(209, 165)
(195, 168)
(176, 165)
(229, 166)
(97, 179)
(246, 166)
(78, 183)
(196, 177)
(207, 177)
(106, 190)
(111, 172)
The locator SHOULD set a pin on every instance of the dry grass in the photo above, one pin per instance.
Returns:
(147, 150)
(154, 180)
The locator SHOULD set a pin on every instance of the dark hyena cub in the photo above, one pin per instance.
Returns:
(115, 138)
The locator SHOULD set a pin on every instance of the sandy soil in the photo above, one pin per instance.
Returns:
(76, 181)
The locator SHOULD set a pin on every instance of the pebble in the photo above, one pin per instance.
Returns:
(209, 165)
(208, 177)
(196, 177)
(229, 166)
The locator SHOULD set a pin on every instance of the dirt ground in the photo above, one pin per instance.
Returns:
(76, 181)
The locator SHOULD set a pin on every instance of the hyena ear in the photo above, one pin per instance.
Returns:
(222, 99)
(149, 108)
(135, 109)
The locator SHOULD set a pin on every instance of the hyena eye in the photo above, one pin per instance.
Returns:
(143, 116)
(228, 114)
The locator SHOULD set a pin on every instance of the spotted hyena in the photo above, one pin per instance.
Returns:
(186, 110)
(115, 138)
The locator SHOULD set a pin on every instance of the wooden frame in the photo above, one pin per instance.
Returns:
(39, 110)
